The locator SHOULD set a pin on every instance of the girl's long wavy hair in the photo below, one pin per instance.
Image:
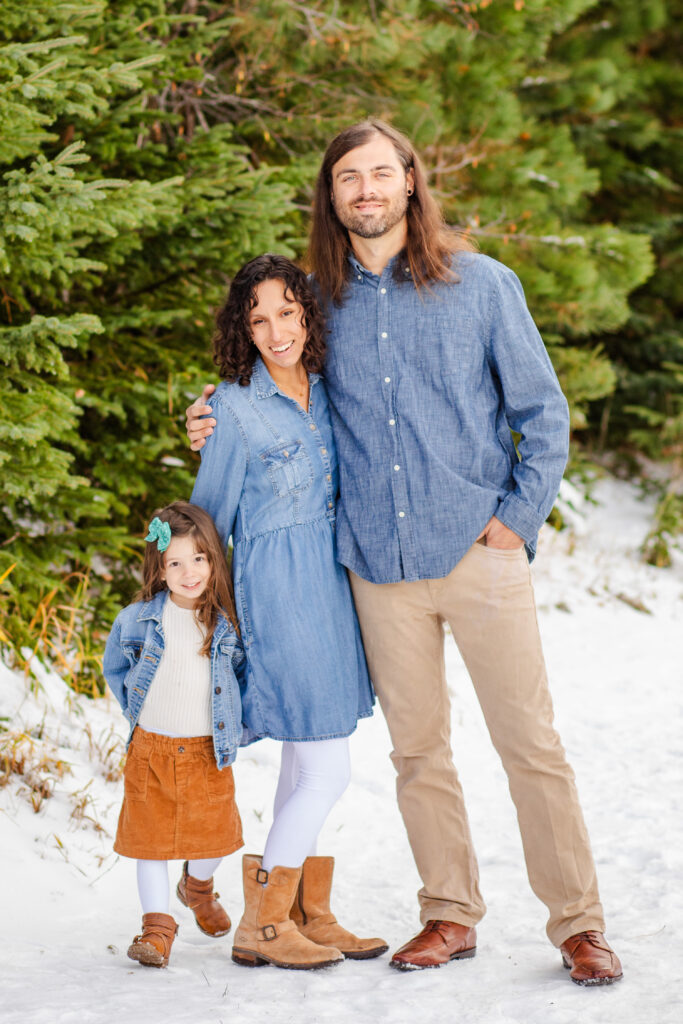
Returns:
(430, 244)
(234, 352)
(187, 520)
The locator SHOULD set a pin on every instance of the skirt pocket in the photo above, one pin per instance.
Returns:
(220, 785)
(135, 776)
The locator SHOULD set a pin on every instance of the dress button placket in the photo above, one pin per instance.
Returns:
(323, 453)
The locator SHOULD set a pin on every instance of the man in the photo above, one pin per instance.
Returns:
(433, 360)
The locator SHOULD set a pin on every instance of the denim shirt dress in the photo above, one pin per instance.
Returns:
(269, 479)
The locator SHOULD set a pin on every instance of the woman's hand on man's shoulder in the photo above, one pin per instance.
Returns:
(198, 429)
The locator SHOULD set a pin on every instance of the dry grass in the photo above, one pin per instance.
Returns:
(32, 760)
(109, 750)
(60, 633)
(84, 811)
(35, 761)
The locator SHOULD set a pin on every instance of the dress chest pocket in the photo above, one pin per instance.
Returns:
(289, 468)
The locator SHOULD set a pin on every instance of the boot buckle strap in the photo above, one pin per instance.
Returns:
(269, 932)
(262, 876)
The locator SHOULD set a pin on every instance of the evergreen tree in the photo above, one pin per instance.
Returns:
(615, 79)
(456, 77)
(149, 147)
(122, 218)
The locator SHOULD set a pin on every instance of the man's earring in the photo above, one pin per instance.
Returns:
(410, 191)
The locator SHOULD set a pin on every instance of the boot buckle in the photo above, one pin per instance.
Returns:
(261, 876)
(269, 932)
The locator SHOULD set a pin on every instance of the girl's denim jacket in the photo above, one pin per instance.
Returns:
(134, 650)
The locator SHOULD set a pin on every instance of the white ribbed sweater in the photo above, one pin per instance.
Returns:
(178, 702)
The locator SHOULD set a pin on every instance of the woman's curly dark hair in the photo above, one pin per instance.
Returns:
(234, 352)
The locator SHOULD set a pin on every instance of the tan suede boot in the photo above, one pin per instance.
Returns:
(266, 934)
(153, 947)
(200, 898)
(312, 915)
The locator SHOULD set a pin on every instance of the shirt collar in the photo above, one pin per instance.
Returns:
(265, 386)
(359, 271)
(154, 609)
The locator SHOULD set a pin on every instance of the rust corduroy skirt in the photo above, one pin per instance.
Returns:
(177, 805)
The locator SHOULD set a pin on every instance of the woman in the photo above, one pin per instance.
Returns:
(268, 477)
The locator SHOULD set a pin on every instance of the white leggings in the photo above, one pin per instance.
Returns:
(313, 776)
(153, 881)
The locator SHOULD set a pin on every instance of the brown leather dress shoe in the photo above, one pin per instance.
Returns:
(590, 959)
(200, 898)
(437, 943)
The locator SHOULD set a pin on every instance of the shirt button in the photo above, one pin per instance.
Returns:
(387, 379)
(181, 750)
(221, 725)
(217, 690)
(328, 477)
(383, 291)
(312, 426)
(384, 334)
(401, 515)
(397, 468)
(360, 277)
(324, 451)
(392, 423)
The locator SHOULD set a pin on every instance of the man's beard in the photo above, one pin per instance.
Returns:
(376, 225)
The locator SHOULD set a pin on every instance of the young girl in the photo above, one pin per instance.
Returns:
(171, 661)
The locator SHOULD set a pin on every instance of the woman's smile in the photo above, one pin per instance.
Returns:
(276, 324)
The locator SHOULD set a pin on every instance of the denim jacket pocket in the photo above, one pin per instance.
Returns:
(132, 649)
(289, 467)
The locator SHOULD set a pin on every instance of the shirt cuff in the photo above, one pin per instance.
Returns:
(520, 517)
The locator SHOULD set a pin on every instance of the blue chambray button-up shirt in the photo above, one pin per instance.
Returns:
(424, 388)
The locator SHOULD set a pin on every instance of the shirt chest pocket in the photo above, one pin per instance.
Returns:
(289, 468)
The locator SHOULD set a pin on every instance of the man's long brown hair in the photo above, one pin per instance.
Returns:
(187, 520)
(430, 244)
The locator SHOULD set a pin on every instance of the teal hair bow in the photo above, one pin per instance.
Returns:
(160, 532)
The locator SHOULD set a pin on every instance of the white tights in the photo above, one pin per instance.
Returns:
(153, 881)
(312, 778)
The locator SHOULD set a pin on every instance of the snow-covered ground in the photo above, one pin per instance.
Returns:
(69, 905)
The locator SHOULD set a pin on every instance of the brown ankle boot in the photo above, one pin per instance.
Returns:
(266, 934)
(153, 947)
(200, 898)
(312, 915)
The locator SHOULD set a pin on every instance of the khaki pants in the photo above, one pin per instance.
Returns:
(488, 602)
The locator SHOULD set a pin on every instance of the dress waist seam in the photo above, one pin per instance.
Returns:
(324, 517)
